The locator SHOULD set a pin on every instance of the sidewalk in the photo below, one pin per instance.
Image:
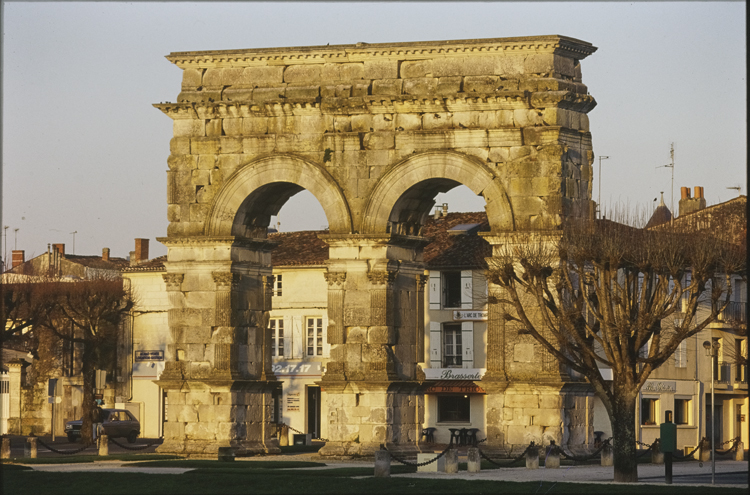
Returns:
(684, 473)
(647, 474)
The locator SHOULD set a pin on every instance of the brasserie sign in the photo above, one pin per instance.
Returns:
(454, 373)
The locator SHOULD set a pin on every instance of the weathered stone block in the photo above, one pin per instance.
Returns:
(442, 120)
(260, 77)
(268, 94)
(480, 84)
(522, 401)
(420, 86)
(380, 69)
(408, 122)
(259, 144)
(192, 78)
(390, 87)
(189, 128)
(302, 92)
(379, 141)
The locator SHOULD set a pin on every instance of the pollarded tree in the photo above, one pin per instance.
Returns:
(595, 293)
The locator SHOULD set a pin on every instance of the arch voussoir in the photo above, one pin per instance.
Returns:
(447, 165)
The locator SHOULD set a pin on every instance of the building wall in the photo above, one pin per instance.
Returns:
(304, 294)
(146, 330)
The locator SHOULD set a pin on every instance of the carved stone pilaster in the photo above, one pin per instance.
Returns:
(336, 334)
(171, 188)
(335, 278)
(174, 284)
(268, 284)
(225, 282)
(381, 297)
(382, 277)
(419, 330)
(495, 338)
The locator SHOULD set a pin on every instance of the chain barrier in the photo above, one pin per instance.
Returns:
(64, 452)
(509, 463)
(418, 464)
(135, 447)
(649, 449)
(584, 458)
(678, 456)
(735, 445)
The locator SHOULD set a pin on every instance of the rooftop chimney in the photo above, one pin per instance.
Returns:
(141, 250)
(19, 257)
(60, 248)
(688, 204)
(105, 254)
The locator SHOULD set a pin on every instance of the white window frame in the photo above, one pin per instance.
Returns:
(277, 336)
(452, 345)
(277, 282)
(314, 336)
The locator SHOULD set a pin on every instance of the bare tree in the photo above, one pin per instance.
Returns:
(595, 294)
(95, 309)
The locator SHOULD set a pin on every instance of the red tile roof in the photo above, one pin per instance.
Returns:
(299, 248)
(456, 251)
(444, 250)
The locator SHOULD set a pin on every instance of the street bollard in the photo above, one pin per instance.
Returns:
(552, 456)
(608, 458)
(474, 460)
(225, 454)
(532, 457)
(451, 461)
(382, 464)
(5, 452)
(704, 453)
(739, 454)
(29, 450)
(103, 444)
(657, 456)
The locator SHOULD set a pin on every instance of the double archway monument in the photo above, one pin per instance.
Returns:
(374, 132)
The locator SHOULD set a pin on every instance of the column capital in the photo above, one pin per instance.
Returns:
(173, 280)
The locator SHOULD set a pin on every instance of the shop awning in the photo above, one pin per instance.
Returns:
(453, 387)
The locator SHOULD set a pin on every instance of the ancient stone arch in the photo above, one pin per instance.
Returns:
(258, 190)
(374, 131)
(407, 191)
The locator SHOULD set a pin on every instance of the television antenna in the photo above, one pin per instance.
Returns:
(671, 165)
(736, 188)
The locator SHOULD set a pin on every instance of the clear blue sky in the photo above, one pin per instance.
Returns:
(84, 150)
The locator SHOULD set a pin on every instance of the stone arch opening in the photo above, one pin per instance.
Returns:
(406, 193)
(258, 190)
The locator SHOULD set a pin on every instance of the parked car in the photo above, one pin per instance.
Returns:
(117, 423)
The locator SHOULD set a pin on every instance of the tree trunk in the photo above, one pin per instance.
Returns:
(623, 433)
(88, 370)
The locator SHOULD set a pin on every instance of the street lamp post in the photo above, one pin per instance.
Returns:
(599, 201)
(712, 350)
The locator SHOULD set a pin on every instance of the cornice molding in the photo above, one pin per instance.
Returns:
(363, 51)
(375, 104)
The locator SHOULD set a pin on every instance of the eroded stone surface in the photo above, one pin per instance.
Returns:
(374, 132)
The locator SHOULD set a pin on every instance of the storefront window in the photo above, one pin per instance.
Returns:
(454, 408)
(649, 411)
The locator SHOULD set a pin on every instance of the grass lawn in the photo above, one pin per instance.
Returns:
(74, 459)
(254, 477)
